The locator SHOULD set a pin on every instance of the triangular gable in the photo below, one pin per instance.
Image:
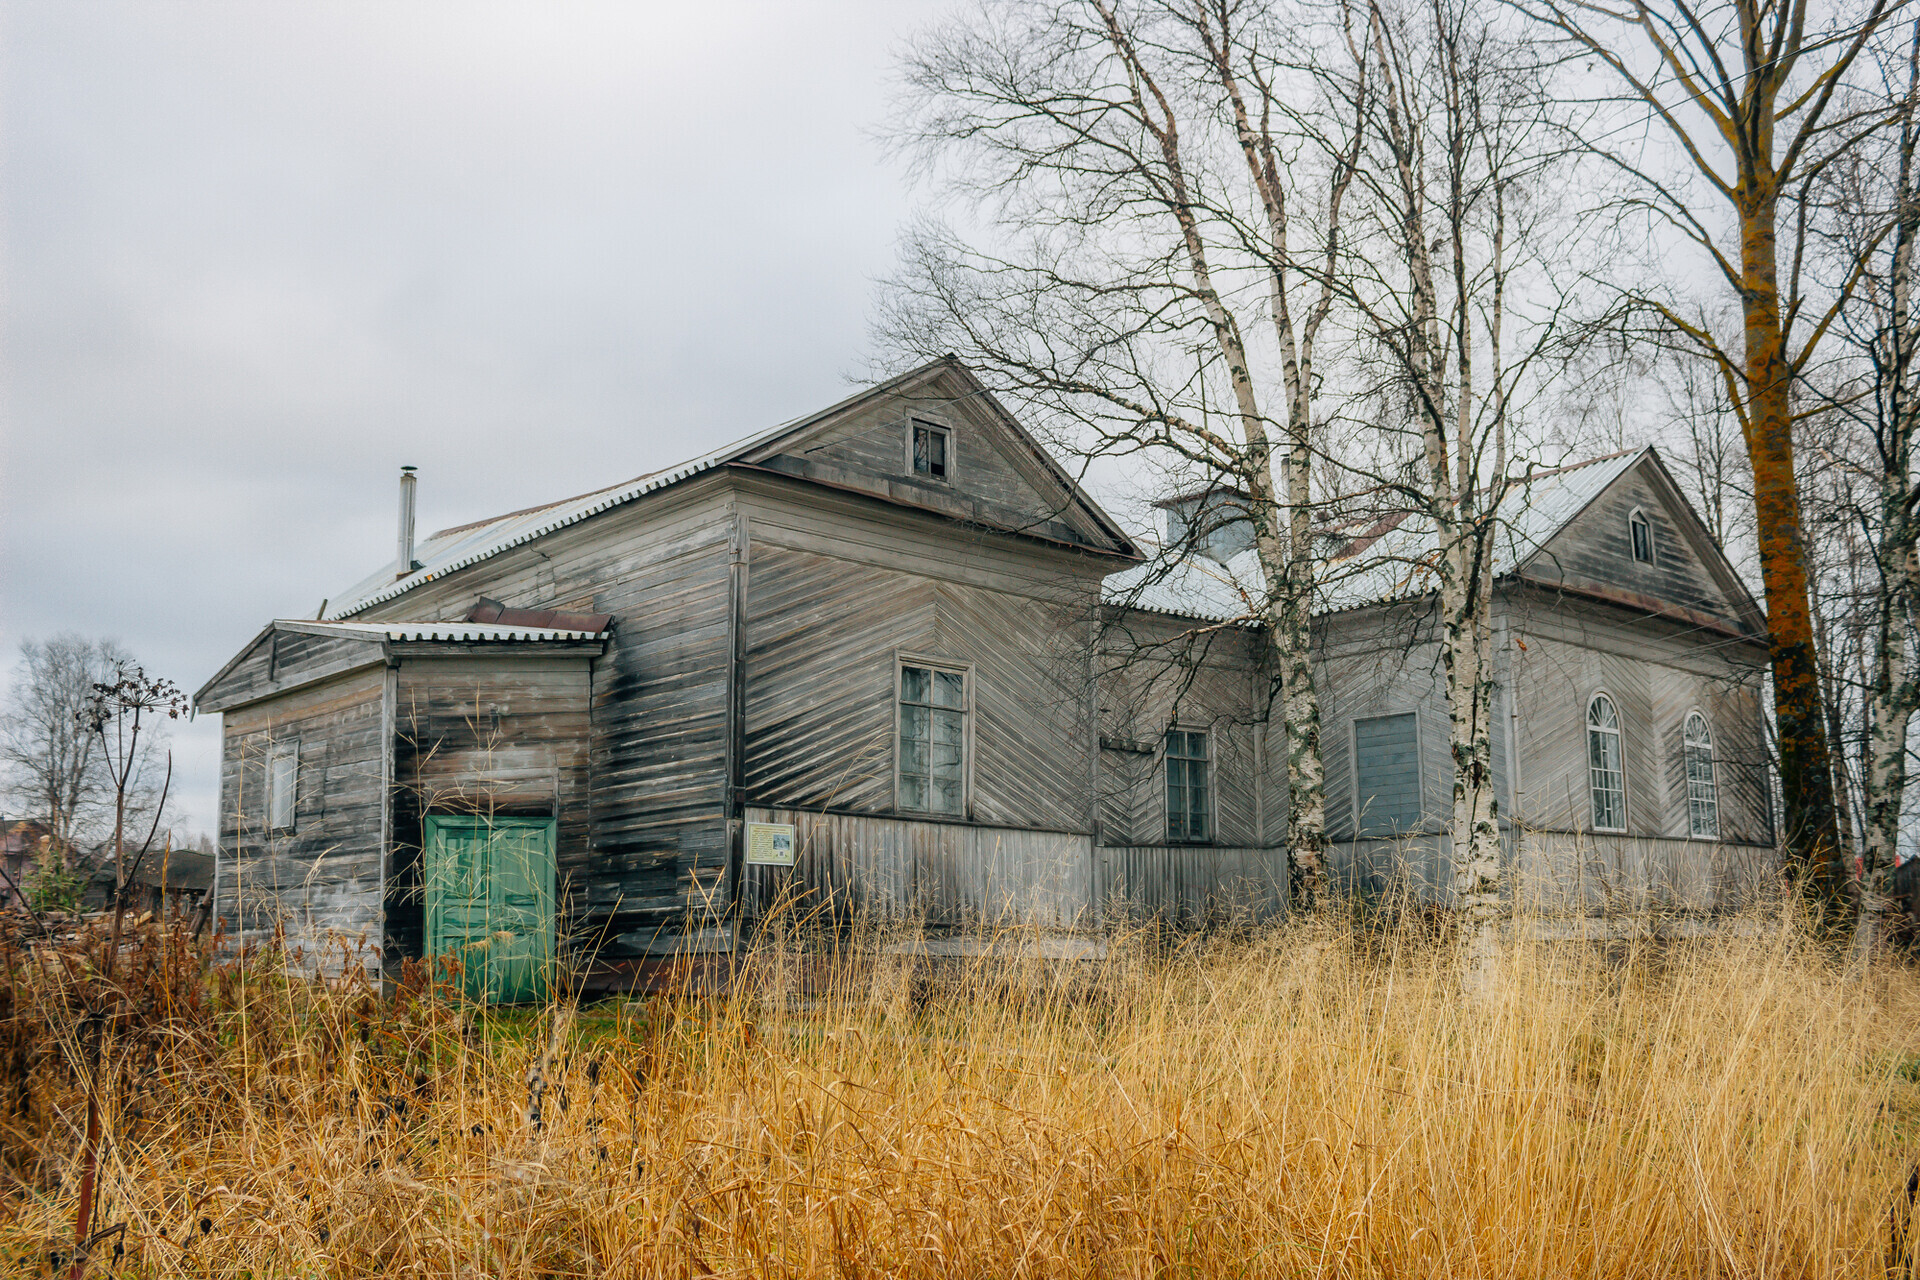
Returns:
(945, 381)
(999, 475)
(285, 655)
(1689, 576)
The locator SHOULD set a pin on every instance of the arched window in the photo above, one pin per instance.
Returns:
(1640, 533)
(1703, 798)
(1604, 776)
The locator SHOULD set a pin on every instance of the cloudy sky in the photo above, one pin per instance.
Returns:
(254, 257)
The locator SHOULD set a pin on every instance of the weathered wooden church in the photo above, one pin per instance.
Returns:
(891, 656)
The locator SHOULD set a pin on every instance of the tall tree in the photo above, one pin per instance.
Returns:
(1866, 221)
(1751, 96)
(54, 768)
(1462, 138)
(1153, 269)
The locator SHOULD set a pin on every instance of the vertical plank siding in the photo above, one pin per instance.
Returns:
(948, 874)
(1190, 886)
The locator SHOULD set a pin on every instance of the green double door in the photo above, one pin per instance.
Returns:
(489, 888)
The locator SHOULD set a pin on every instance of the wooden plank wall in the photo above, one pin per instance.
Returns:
(504, 735)
(1655, 673)
(323, 876)
(1584, 873)
(1190, 886)
(1158, 672)
(941, 873)
(1595, 550)
(282, 658)
(1384, 661)
(659, 846)
(834, 596)
(993, 477)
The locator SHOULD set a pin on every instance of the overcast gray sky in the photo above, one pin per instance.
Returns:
(255, 257)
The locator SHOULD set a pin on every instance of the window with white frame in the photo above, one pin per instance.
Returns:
(932, 449)
(1640, 534)
(1189, 786)
(283, 785)
(933, 739)
(1703, 797)
(1605, 777)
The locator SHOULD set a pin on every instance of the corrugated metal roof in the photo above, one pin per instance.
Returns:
(462, 632)
(1389, 561)
(467, 544)
(456, 548)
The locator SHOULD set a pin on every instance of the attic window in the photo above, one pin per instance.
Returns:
(930, 450)
(1642, 535)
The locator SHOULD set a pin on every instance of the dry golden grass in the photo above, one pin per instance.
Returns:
(1309, 1102)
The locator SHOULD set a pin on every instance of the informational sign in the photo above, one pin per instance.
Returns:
(769, 844)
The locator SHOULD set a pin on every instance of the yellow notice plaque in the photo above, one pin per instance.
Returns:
(769, 844)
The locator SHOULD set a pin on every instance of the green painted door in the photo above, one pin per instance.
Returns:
(490, 902)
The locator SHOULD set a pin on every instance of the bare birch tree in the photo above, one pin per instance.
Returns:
(1154, 269)
(1750, 94)
(1865, 215)
(1461, 140)
(53, 765)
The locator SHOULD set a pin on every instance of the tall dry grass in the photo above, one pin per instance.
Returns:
(1309, 1102)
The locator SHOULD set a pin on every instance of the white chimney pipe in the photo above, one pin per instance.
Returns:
(408, 481)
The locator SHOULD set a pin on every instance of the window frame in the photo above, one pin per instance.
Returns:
(1618, 730)
(1637, 520)
(903, 659)
(1357, 815)
(1212, 790)
(1687, 745)
(288, 749)
(914, 423)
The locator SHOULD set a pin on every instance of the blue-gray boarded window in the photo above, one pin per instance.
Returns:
(1386, 767)
(1189, 786)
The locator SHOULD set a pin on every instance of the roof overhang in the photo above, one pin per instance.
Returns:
(377, 644)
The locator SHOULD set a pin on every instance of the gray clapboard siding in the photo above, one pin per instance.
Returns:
(324, 875)
(1655, 673)
(1159, 673)
(943, 873)
(659, 692)
(995, 476)
(279, 660)
(1594, 551)
(836, 592)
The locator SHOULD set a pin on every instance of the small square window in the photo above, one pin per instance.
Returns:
(1642, 534)
(930, 450)
(283, 784)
